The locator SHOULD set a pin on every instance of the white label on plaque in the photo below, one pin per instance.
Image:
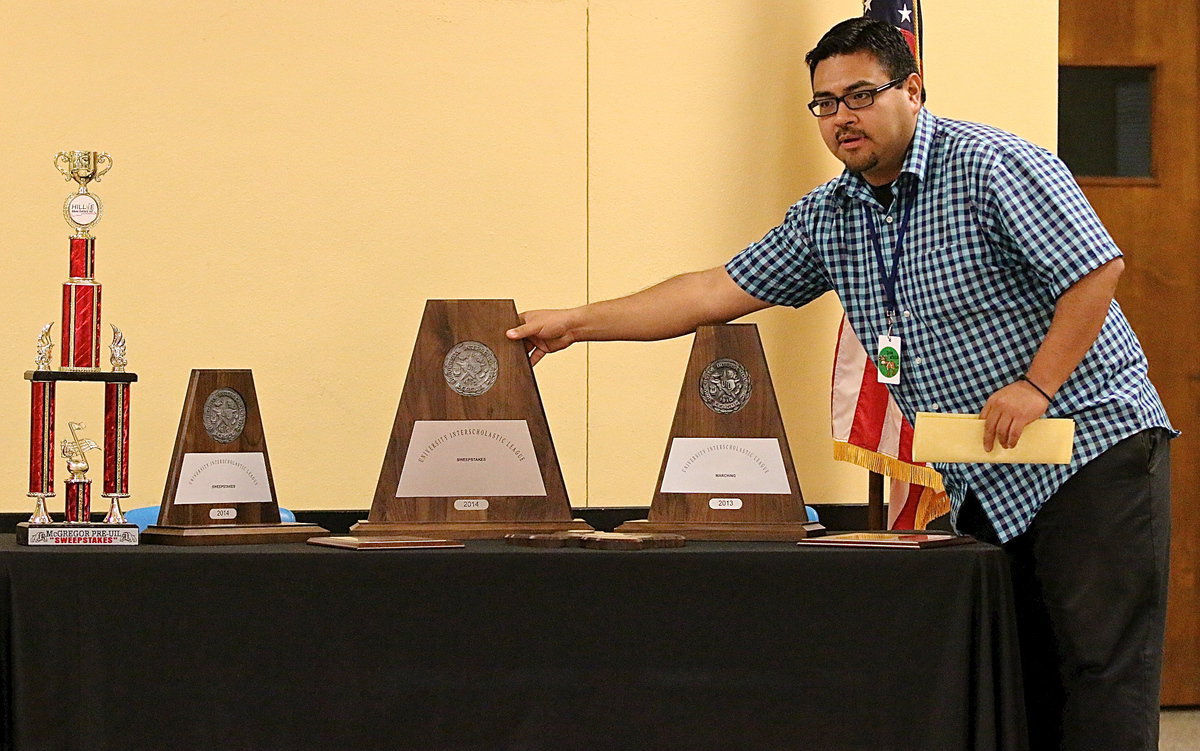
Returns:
(456, 458)
(725, 465)
(234, 477)
(222, 513)
(720, 504)
(471, 504)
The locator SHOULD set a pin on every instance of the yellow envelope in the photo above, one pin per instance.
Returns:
(959, 439)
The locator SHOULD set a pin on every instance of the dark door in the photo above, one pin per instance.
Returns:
(1155, 218)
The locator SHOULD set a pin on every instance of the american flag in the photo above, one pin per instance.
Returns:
(904, 15)
(868, 428)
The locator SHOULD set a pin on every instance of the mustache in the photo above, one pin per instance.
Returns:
(845, 133)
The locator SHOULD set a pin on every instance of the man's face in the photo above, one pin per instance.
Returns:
(873, 140)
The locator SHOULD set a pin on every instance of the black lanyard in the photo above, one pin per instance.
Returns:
(889, 278)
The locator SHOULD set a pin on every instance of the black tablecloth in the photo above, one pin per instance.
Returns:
(713, 646)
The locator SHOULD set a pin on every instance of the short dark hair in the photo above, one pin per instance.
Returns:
(863, 34)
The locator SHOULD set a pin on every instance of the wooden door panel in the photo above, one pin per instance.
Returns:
(1156, 224)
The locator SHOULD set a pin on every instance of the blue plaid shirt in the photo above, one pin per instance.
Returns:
(999, 229)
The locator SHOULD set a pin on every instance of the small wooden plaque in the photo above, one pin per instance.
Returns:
(569, 539)
(465, 371)
(727, 394)
(383, 543)
(221, 417)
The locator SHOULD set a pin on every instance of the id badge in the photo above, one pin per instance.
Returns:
(887, 359)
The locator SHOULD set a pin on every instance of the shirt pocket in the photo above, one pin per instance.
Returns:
(962, 277)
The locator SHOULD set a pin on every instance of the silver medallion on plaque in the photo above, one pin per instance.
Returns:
(725, 386)
(470, 368)
(224, 415)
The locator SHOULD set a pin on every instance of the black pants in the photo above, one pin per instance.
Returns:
(1090, 581)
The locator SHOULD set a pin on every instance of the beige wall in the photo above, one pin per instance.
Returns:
(292, 181)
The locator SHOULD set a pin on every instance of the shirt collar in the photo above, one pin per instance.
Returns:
(852, 185)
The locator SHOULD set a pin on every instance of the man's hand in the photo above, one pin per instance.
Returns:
(544, 331)
(671, 308)
(1008, 411)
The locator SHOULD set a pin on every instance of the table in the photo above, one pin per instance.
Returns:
(712, 646)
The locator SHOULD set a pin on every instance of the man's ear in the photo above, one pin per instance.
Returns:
(913, 86)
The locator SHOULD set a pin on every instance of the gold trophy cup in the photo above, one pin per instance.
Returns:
(82, 209)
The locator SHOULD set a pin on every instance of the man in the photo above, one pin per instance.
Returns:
(977, 251)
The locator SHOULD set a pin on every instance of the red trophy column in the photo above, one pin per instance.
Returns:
(41, 439)
(81, 309)
(116, 440)
(79, 500)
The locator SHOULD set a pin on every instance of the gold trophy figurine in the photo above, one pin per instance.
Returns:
(79, 497)
(73, 452)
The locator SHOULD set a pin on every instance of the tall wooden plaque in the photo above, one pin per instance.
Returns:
(727, 473)
(220, 490)
(470, 454)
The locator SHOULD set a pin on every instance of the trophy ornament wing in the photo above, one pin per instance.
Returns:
(44, 346)
(117, 351)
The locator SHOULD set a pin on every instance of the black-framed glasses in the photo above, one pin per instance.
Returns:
(855, 100)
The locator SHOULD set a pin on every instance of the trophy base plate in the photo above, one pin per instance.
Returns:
(481, 530)
(732, 531)
(232, 534)
(61, 534)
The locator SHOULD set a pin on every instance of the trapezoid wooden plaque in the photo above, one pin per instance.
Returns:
(219, 489)
(727, 473)
(470, 454)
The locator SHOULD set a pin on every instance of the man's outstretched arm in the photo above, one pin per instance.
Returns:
(668, 309)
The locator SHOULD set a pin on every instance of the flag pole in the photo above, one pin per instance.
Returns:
(875, 501)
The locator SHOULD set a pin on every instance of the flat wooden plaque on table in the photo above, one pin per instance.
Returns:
(894, 540)
(220, 490)
(383, 543)
(470, 454)
(727, 473)
(596, 540)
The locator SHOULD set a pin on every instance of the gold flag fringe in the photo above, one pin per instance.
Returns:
(931, 505)
(888, 465)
